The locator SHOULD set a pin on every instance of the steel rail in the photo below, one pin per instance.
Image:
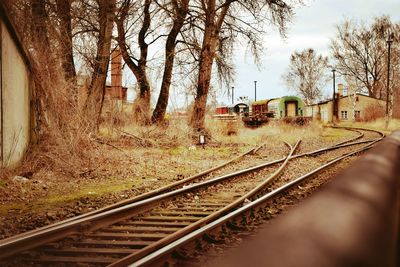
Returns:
(153, 192)
(359, 136)
(12, 246)
(166, 250)
(352, 221)
(190, 228)
(137, 198)
(61, 231)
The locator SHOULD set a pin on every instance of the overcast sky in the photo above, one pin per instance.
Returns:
(313, 26)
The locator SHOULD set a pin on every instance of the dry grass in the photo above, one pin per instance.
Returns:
(122, 166)
(63, 141)
(378, 124)
(173, 134)
(271, 131)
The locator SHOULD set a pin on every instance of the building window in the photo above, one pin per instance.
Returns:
(356, 98)
(344, 114)
(357, 114)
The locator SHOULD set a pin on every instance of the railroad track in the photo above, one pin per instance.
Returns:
(252, 157)
(126, 232)
(175, 253)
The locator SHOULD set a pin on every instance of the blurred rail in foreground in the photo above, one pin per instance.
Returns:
(353, 221)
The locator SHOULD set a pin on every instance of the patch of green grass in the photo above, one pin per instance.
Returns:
(199, 153)
(4, 209)
(86, 191)
(92, 190)
(332, 133)
(177, 150)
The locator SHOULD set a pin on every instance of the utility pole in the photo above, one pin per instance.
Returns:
(389, 43)
(233, 93)
(334, 98)
(255, 91)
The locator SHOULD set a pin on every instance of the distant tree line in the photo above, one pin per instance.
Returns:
(359, 54)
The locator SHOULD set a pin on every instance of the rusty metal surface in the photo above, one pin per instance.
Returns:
(353, 221)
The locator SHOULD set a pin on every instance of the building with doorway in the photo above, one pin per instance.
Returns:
(347, 107)
(15, 93)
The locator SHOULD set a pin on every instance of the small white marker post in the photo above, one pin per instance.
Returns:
(202, 140)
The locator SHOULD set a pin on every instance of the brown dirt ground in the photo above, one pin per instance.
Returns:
(50, 195)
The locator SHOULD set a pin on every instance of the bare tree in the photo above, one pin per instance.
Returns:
(306, 74)
(138, 66)
(40, 22)
(40, 39)
(221, 23)
(96, 90)
(65, 34)
(51, 31)
(180, 9)
(211, 28)
(360, 51)
(214, 18)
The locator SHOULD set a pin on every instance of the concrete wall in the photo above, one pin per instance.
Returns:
(326, 112)
(15, 101)
(312, 111)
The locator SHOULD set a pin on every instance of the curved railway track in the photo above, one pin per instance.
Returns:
(240, 215)
(233, 220)
(127, 231)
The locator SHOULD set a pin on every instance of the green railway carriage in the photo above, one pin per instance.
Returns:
(287, 106)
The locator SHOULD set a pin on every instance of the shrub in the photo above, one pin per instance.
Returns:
(373, 112)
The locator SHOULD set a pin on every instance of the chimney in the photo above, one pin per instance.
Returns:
(116, 74)
(340, 89)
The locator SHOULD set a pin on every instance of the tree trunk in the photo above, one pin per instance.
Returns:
(96, 90)
(203, 81)
(40, 39)
(142, 102)
(39, 24)
(162, 103)
(212, 28)
(66, 51)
